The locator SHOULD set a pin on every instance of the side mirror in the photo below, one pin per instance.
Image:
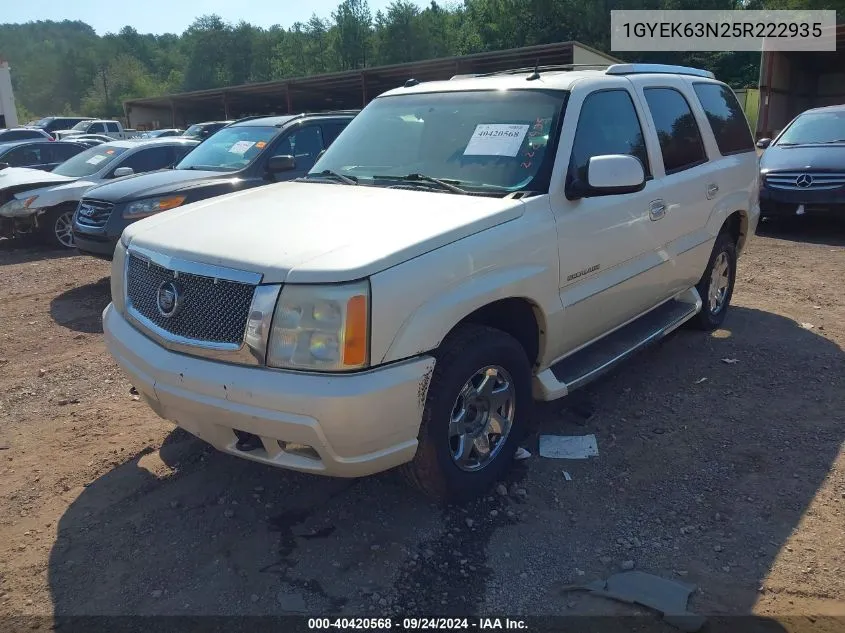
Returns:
(120, 172)
(611, 174)
(4, 165)
(763, 143)
(278, 164)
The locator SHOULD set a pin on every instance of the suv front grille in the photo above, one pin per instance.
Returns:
(211, 310)
(805, 180)
(93, 213)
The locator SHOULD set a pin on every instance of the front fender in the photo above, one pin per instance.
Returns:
(426, 328)
(417, 303)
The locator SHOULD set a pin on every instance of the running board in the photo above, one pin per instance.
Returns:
(588, 363)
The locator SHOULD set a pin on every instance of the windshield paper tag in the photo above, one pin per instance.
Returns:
(496, 139)
(96, 160)
(241, 147)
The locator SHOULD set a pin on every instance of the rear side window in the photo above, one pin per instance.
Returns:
(97, 128)
(331, 132)
(62, 152)
(608, 124)
(19, 135)
(677, 130)
(112, 127)
(727, 120)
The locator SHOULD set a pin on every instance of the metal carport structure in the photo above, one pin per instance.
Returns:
(339, 90)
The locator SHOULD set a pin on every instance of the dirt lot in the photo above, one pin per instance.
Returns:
(735, 483)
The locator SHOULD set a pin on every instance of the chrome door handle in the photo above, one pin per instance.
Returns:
(656, 210)
(712, 190)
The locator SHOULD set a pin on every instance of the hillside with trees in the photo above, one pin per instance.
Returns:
(66, 67)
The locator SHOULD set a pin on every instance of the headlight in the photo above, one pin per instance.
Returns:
(18, 207)
(321, 327)
(140, 208)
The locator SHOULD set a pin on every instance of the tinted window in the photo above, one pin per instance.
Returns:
(727, 120)
(61, 152)
(677, 130)
(97, 128)
(304, 144)
(180, 151)
(331, 131)
(23, 156)
(18, 135)
(112, 127)
(608, 124)
(148, 159)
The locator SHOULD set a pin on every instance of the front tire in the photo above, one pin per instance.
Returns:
(476, 411)
(716, 286)
(56, 227)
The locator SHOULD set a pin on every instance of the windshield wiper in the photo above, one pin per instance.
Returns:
(445, 184)
(328, 173)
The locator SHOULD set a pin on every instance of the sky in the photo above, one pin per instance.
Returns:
(173, 16)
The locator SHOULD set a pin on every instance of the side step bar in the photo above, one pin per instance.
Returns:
(596, 359)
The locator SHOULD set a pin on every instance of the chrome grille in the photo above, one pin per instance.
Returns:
(809, 180)
(93, 213)
(212, 310)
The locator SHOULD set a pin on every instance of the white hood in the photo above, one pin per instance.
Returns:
(315, 232)
(15, 176)
(54, 194)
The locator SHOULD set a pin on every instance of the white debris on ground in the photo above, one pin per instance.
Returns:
(568, 446)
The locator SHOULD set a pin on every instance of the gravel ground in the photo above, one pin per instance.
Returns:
(726, 475)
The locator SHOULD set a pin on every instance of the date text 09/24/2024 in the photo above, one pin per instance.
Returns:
(416, 624)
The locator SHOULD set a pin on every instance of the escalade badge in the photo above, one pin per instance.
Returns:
(168, 299)
(804, 181)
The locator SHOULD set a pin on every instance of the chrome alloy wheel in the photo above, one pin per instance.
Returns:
(720, 280)
(63, 228)
(482, 417)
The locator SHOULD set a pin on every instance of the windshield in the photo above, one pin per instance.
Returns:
(89, 162)
(82, 125)
(43, 122)
(814, 128)
(230, 149)
(483, 139)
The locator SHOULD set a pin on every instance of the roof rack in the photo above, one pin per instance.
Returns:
(531, 69)
(298, 115)
(637, 69)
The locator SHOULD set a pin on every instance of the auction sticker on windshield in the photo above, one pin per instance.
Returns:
(496, 139)
(241, 147)
(96, 159)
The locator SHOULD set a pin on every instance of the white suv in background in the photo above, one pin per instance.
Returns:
(463, 248)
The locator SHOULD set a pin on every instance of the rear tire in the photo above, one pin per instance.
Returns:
(481, 388)
(716, 286)
(56, 227)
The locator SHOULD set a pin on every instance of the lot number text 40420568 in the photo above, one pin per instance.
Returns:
(417, 624)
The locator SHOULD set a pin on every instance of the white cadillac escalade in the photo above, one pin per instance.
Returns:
(463, 248)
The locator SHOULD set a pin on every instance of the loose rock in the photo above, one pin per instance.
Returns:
(228, 513)
(470, 522)
(627, 565)
(502, 490)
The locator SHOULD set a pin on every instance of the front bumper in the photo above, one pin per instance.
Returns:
(781, 202)
(358, 424)
(97, 245)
